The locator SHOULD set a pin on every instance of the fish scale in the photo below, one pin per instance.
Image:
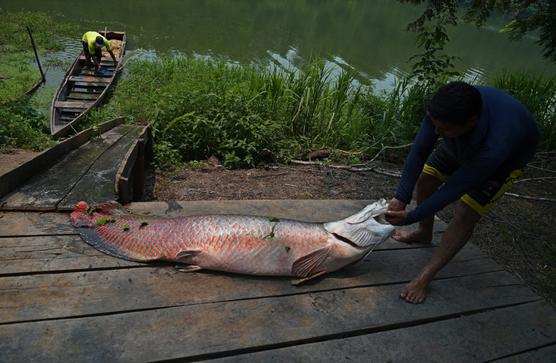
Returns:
(234, 243)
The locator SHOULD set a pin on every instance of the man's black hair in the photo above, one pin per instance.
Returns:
(455, 103)
(99, 40)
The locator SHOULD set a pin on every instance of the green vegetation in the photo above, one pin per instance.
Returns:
(538, 94)
(17, 73)
(247, 116)
(21, 126)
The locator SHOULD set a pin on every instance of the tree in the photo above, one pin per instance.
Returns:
(524, 16)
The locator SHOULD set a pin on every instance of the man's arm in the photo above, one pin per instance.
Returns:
(420, 151)
(113, 56)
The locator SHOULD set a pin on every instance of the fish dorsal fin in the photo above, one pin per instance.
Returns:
(310, 264)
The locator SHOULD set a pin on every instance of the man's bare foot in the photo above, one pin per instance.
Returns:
(415, 292)
(418, 235)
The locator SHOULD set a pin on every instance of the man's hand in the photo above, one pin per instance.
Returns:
(397, 218)
(395, 212)
(396, 205)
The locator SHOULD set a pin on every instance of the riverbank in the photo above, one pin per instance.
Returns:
(248, 117)
(23, 126)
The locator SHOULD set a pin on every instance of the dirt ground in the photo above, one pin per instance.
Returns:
(12, 159)
(518, 233)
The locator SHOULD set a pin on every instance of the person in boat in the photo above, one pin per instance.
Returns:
(488, 137)
(93, 43)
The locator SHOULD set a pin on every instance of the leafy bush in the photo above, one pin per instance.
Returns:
(538, 94)
(22, 127)
(246, 116)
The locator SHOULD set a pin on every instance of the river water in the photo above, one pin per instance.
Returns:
(366, 35)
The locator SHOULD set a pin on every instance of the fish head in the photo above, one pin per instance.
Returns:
(366, 229)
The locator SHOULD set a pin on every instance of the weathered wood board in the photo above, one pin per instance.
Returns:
(63, 301)
(43, 254)
(97, 184)
(45, 190)
(150, 288)
(205, 329)
(474, 338)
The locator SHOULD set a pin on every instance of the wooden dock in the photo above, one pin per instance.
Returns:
(63, 301)
(96, 165)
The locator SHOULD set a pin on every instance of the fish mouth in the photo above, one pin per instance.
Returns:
(381, 219)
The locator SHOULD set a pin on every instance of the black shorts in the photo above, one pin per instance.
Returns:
(98, 51)
(442, 163)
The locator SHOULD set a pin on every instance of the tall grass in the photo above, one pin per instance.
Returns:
(17, 72)
(21, 126)
(246, 115)
(538, 94)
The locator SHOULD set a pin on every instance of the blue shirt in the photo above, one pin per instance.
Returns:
(505, 135)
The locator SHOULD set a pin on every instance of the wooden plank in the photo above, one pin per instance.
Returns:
(123, 187)
(83, 96)
(476, 338)
(86, 90)
(90, 84)
(541, 355)
(105, 72)
(97, 184)
(52, 253)
(47, 158)
(155, 287)
(73, 104)
(34, 224)
(204, 329)
(103, 61)
(90, 79)
(45, 190)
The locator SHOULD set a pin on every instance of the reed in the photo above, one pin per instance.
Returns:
(251, 115)
(538, 94)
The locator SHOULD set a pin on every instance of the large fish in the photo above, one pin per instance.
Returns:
(235, 243)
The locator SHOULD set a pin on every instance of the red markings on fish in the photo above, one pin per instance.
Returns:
(241, 244)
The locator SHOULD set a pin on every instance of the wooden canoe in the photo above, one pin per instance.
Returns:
(82, 88)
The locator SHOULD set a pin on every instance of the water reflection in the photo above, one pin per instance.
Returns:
(365, 35)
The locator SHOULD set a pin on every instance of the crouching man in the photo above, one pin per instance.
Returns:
(488, 137)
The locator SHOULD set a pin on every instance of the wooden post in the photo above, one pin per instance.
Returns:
(36, 55)
(139, 171)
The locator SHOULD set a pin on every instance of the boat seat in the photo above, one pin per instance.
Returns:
(74, 104)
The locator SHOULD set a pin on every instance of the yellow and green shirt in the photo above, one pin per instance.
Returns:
(90, 38)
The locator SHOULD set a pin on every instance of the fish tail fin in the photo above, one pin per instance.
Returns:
(87, 218)
(85, 215)
(365, 228)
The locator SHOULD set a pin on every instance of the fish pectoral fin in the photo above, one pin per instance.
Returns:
(187, 253)
(298, 282)
(309, 265)
(187, 268)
